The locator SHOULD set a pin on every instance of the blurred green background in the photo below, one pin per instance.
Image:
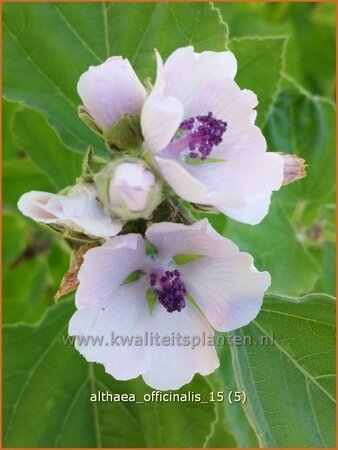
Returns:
(286, 54)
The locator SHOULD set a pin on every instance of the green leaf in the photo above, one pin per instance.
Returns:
(310, 28)
(33, 265)
(47, 396)
(277, 248)
(326, 256)
(314, 45)
(222, 435)
(48, 46)
(232, 418)
(249, 19)
(290, 383)
(14, 241)
(9, 150)
(35, 137)
(260, 62)
(22, 175)
(305, 125)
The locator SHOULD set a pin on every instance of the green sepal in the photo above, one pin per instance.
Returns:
(89, 120)
(185, 258)
(91, 164)
(125, 134)
(151, 299)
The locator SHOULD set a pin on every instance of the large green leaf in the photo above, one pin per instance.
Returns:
(22, 175)
(260, 62)
(35, 137)
(277, 248)
(34, 157)
(33, 264)
(233, 416)
(9, 150)
(305, 125)
(310, 28)
(287, 369)
(47, 397)
(48, 46)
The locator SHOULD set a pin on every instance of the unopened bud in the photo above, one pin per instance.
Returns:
(128, 189)
(294, 168)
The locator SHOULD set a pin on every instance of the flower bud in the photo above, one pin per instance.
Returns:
(128, 189)
(76, 210)
(110, 91)
(294, 168)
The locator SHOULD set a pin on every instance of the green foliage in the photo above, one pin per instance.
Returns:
(311, 31)
(289, 385)
(290, 381)
(49, 46)
(34, 262)
(33, 134)
(48, 409)
(252, 54)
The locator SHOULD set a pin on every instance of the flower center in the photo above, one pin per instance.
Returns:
(169, 289)
(205, 132)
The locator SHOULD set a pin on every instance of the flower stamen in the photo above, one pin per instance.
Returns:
(205, 132)
(169, 289)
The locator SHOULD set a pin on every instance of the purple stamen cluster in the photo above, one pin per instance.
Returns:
(170, 289)
(206, 132)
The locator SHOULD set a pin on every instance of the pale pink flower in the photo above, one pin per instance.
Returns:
(199, 126)
(78, 211)
(226, 289)
(111, 90)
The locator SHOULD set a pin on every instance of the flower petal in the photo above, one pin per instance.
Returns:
(185, 71)
(124, 318)
(32, 204)
(101, 228)
(105, 268)
(171, 239)
(180, 180)
(110, 90)
(227, 102)
(229, 290)
(173, 366)
(79, 210)
(160, 118)
(252, 213)
(251, 179)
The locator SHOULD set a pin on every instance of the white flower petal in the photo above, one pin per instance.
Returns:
(160, 118)
(126, 315)
(251, 179)
(101, 228)
(173, 366)
(252, 213)
(179, 179)
(185, 71)
(171, 239)
(106, 267)
(227, 102)
(245, 144)
(32, 204)
(110, 90)
(229, 290)
(79, 210)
